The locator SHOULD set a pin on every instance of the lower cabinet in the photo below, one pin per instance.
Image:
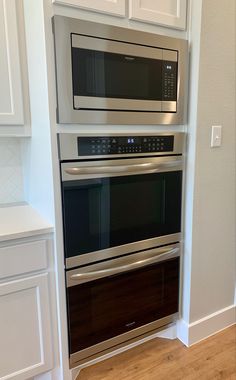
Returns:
(25, 328)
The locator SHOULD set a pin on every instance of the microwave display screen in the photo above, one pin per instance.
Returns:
(112, 75)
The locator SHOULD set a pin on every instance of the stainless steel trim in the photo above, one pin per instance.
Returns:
(120, 341)
(168, 106)
(68, 145)
(93, 43)
(113, 252)
(170, 55)
(87, 102)
(119, 265)
(66, 114)
(146, 167)
(119, 117)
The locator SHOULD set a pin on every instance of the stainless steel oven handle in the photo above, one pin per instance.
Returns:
(167, 254)
(122, 168)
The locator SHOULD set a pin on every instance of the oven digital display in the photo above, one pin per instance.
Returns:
(130, 140)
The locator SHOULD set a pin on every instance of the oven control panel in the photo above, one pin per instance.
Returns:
(92, 146)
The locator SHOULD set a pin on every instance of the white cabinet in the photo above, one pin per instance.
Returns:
(171, 13)
(25, 330)
(25, 310)
(114, 7)
(11, 97)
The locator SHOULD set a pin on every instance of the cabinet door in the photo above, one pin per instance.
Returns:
(11, 100)
(25, 329)
(115, 7)
(171, 13)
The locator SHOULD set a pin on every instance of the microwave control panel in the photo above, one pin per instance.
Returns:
(169, 80)
(92, 146)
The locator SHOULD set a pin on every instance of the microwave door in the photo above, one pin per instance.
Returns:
(112, 75)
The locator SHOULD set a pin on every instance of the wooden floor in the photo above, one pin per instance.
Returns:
(162, 359)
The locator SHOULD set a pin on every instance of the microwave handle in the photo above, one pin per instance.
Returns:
(144, 167)
(165, 254)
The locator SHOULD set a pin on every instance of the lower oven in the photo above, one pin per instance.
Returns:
(121, 300)
(121, 206)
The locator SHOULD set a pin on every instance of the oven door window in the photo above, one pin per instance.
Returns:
(107, 212)
(107, 307)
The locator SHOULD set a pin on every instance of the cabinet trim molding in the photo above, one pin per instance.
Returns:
(177, 19)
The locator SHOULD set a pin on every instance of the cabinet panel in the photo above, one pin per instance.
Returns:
(171, 13)
(23, 258)
(25, 330)
(116, 7)
(11, 98)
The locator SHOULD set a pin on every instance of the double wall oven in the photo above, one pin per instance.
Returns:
(121, 207)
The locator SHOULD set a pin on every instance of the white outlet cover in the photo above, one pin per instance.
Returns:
(216, 136)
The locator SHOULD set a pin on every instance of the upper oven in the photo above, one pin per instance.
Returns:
(114, 75)
(120, 194)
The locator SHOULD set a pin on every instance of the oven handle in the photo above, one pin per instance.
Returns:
(144, 167)
(165, 254)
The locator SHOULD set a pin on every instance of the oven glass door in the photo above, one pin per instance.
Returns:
(101, 309)
(116, 76)
(107, 212)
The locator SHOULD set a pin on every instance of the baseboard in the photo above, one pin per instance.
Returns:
(196, 331)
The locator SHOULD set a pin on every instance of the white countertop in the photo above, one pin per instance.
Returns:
(21, 221)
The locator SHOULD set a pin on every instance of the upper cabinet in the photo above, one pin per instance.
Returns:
(114, 7)
(171, 13)
(11, 96)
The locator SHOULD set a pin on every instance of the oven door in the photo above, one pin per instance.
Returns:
(121, 300)
(114, 207)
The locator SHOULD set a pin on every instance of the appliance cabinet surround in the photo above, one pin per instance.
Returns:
(25, 317)
(171, 13)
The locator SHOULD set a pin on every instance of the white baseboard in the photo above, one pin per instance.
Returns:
(196, 331)
(168, 333)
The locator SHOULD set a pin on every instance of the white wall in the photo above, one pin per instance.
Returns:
(210, 212)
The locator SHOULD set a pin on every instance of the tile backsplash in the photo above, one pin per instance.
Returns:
(11, 171)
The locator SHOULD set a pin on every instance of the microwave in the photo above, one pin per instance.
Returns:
(113, 75)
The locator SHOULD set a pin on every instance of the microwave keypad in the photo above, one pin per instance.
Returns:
(91, 146)
(169, 80)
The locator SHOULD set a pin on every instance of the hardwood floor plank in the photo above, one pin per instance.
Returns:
(162, 359)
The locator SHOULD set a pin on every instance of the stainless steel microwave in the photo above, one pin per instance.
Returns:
(113, 75)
